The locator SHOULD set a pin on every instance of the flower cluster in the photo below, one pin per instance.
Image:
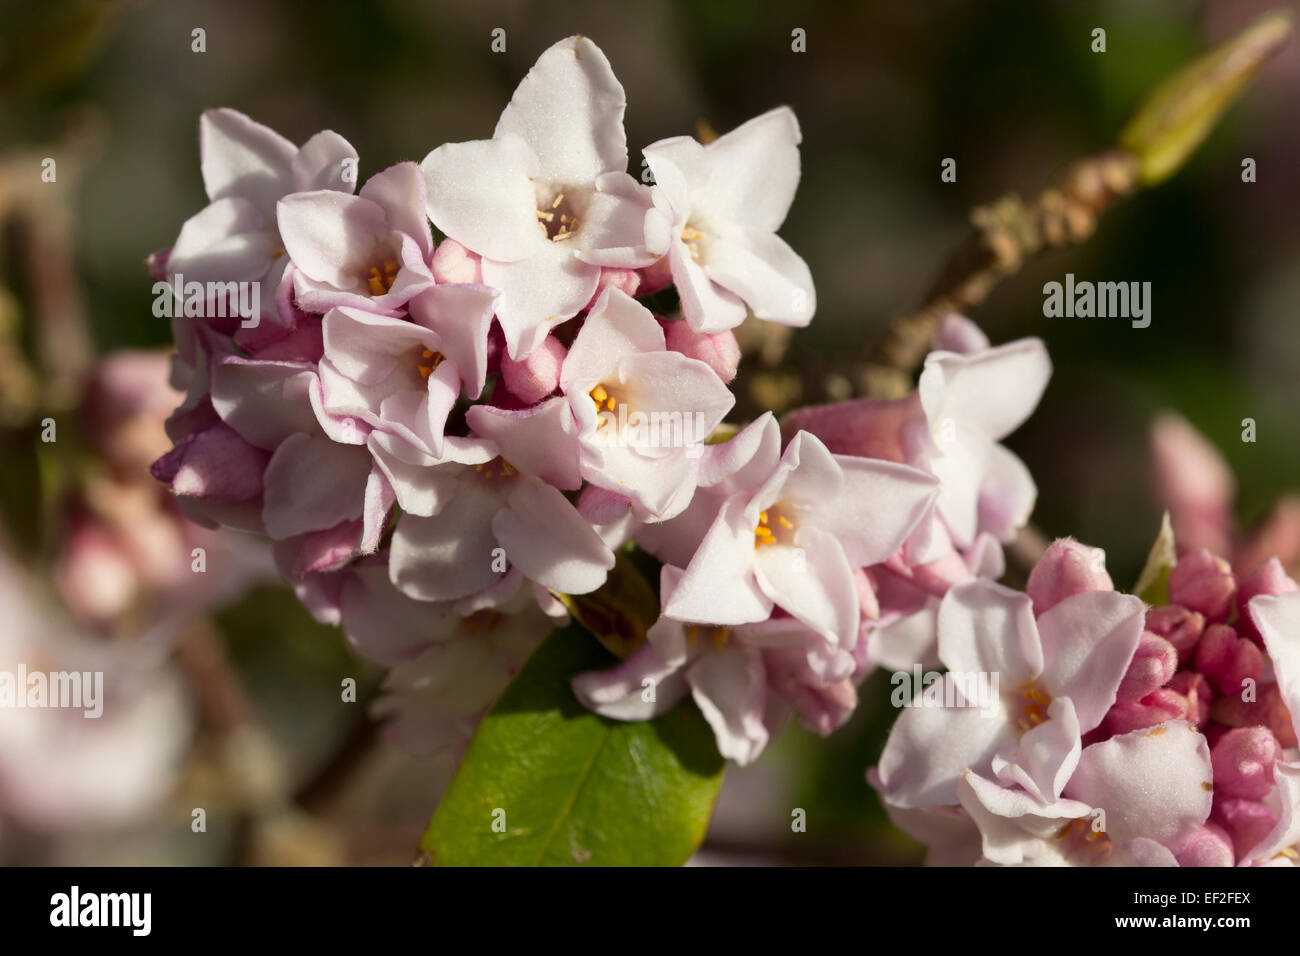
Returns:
(1121, 734)
(442, 436)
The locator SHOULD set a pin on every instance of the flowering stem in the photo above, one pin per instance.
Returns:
(1173, 119)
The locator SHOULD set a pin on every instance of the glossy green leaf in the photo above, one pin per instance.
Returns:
(547, 783)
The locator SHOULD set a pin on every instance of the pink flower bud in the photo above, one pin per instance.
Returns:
(1194, 482)
(215, 463)
(1243, 762)
(1247, 822)
(532, 379)
(625, 280)
(658, 275)
(452, 263)
(938, 576)
(1228, 660)
(719, 351)
(1268, 578)
(1198, 692)
(1067, 568)
(1179, 626)
(1210, 845)
(1203, 582)
(1277, 534)
(1155, 708)
(867, 427)
(1267, 710)
(1152, 666)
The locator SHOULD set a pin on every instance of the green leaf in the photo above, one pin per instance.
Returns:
(1153, 583)
(576, 788)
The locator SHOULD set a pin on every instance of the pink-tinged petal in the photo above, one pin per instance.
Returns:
(1066, 568)
(376, 509)
(765, 272)
(548, 287)
(384, 625)
(992, 391)
(948, 833)
(729, 687)
(930, 746)
(1194, 483)
(541, 441)
(449, 555)
(1153, 783)
(421, 486)
(1088, 642)
(661, 486)
(1286, 833)
(1045, 757)
(612, 234)
(1016, 828)
(311, 484)
(745, 460)
(812, 581)
(1007, 494)
(617, 326)
(244, 159)
(907, 640)
(481, 194)
(215, 463)
(956, 333)
(550, 542)
(706, 306)
(264, 401)
(226, 241)
(569, 109)
(718, 586)
(754, 171)
(1278, 620)
(332, 237)
(324, 162)
(639, 688)
(879, 505)
(987, 628)
(960, 468)
(461, 315)
(399, 192)
(685, 389)
(369, 348)
(318, 552)
(537, 376)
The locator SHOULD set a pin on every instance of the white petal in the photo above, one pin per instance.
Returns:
(569, 109)
(480, 194)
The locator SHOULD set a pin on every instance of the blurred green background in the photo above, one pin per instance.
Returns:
(884, 93)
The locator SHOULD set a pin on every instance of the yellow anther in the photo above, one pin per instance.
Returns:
(429, 361)
(558, 199)
(785, 522)
(380, 278)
